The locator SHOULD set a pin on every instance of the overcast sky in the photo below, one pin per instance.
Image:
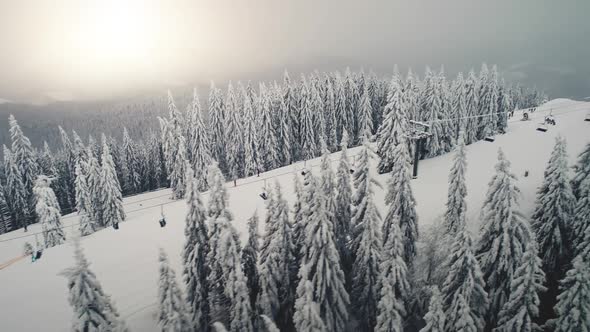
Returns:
(92, 49)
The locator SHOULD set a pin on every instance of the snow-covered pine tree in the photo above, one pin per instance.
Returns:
(275, 298)
(343, 212)
(488, 101)
(320, 265)
(464, 296)
(412, 93)
(172, 312)
(582, 216)
(130, 165)
(93, 309)
(367, 220)
(573, 303)
(284, 134)
(552, 222)
(394, 283)
(234, 137)
(167, 140)
(318, 115)
(179, 168)
(114, 147)
(94, 188)
(24, 157)
(362, 182)
(79, 148)
(306, 203)
(5, 217)
(458, 109)
(504, 107)
(194, 256)
(394, 125)
(216, 125)
(521, 310)
(84, 201)
(581, 170)
(218, 218)
(471, 108)
(456, 203)
(432, 109)
(145, 167)
(401, 203)
(233, 280)
(365, 121)
(342, 121)
(198, 143)
(449, 129)
(46, 162)
(250, 259)
(330, 111)
(435, 317)
(111, 200)
(47, 209)
(15, 191)
(327, 183)
(251, 158)
(373, 86)
(156, 160)
(172, 130)
(268, 144)
(352, 93)
(504, 236)
(307, 127)
(291, 99)
(307, 312)
(68, 167)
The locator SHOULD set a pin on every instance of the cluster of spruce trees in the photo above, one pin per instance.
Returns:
(333, 262)
(32, 186)
(250, 131)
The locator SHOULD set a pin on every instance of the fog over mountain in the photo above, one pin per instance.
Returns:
(64, 50)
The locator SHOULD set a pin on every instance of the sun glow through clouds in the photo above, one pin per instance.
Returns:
(116, 33)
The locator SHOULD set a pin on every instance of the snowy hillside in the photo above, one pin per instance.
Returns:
(126, 261)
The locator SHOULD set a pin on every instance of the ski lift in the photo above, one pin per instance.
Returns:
(542, 127)
(525, 116)
(163, 218)
(116, 225)
(587, 117)
(263, 194)
(489, 138)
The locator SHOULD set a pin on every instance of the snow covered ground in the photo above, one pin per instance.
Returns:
(33, 296)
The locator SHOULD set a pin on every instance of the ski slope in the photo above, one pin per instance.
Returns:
(33, 296)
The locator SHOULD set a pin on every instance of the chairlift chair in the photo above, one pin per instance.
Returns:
(525, 116)
(263, 194)
(116, 226)
(490, 137)
(542, 127)
(162, 220)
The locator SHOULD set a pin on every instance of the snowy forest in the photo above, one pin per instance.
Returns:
(332, 261)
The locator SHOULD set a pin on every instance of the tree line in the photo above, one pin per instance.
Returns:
(248, 132)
